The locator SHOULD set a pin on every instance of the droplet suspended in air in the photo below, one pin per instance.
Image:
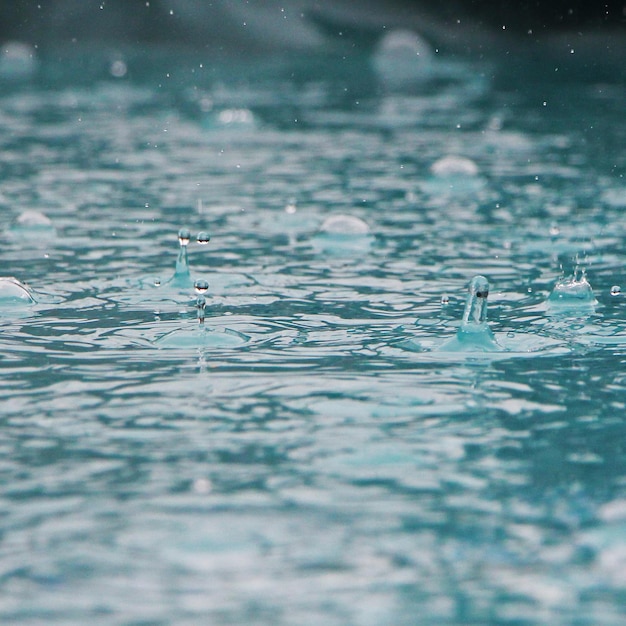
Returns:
(616, 290)
(203, 238)
(184, 236)
(201, 286)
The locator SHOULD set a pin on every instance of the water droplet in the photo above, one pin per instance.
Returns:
(476, 304)
(510, 335)
(184, 236)
(554, 230)
(157, 282)
(616, 290)
(201, 286)
(200, 304)
(445, 299)
(203, 238)
(118, 68)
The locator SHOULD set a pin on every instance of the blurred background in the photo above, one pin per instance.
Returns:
(231, 28)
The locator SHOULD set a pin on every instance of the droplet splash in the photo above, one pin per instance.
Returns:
(474, 334)
(183, 237)
(182, 275)
(476, 303)
(201, 286)
(573, 294)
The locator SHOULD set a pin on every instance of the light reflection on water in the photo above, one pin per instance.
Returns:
(320, 471)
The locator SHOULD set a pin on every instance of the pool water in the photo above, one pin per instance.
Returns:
(310, 456)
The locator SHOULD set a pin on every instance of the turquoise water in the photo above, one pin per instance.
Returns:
(313, 457)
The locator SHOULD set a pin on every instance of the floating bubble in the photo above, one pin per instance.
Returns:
(203, 238)
(14, 293)
(32, 224)
(452, 175)
(344, 225)
(453, 165)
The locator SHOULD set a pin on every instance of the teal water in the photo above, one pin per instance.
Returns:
(314, 458)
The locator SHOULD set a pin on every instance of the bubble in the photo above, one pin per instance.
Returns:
(344, 225)
(453, 165)
(554, 230)
(203, 238)
(184, 236)
(201, 286)
(445, 299)
(157, 282)
(14, 293)
(616, 290)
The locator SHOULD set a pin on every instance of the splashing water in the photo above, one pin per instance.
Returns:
(182, 275)
(474, 334)
(573, 293)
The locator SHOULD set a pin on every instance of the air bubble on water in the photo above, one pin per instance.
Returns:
(344, 225)
(453, 165)
(616, 290)
(184, 236)
(14, 293)
(203, 238)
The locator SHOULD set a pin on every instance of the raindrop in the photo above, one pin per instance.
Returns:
(201, 286)
(184, 236)
(203, 238)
